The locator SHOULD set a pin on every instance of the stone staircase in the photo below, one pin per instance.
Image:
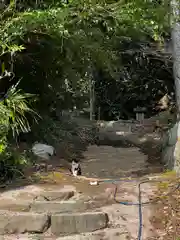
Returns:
(48, 215)
(57, 213)
(72, 209)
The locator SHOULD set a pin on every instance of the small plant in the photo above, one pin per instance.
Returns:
(17, 107)
(11, 164)
(13, 120)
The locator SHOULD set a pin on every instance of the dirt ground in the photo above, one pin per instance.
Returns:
(161, 220)
(166, 215)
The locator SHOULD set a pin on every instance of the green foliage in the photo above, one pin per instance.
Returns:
(66, 44)
(13, 113)
(53, 132)
(60, 46)
(17, 108)
(12, 164)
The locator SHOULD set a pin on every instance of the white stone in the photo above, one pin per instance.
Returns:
(43, 150)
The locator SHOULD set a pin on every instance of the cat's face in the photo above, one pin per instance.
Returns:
(75, 168)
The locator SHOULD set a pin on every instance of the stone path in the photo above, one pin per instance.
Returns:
(112, 162)
(115, 158)
(118, 153)
(73, 212)
(72, 209)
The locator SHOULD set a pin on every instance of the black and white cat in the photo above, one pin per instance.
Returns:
(75, 168)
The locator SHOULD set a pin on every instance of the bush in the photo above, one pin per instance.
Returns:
(12, 164)
(13, 120)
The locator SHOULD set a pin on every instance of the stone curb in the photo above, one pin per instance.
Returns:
(78, 222)
(58, 207)
(11, 222)
(58, 224)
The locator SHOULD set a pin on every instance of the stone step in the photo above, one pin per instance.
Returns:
(45, 206)
(37, 194)
(78, 223)
(105, 234)
(55, 224)
(58, 207)
(108, 235)
(15, 206)
(123, 236)
(55, 195)
(11, 222)
(24, 200)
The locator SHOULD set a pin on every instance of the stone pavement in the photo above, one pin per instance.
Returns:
(112, 162)
(72, 209)
(73, 212)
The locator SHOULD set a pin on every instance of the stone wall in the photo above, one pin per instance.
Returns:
(171, 148)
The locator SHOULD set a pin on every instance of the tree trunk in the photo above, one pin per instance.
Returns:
(176, 70)
(91, 93)
(91, 100)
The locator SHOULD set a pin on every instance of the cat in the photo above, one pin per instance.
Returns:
(75, 168)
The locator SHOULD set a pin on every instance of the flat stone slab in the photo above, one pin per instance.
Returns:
(78, 222)
(56, 195)
(15, 206)
(11, 223)
(107, 234)
(58, 207)
(97, 236)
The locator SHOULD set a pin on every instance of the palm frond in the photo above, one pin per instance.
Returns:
(14, 111)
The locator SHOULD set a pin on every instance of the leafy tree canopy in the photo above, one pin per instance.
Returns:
(60, 45)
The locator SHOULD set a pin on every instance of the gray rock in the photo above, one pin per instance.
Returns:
(58, 195)
(11, 223)
(58, 207)
(22, 237)
(86, 236)
(43, 151)
(78, 222)
(15, 206)
(83, 237)
(97, 236)
(40, 198)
